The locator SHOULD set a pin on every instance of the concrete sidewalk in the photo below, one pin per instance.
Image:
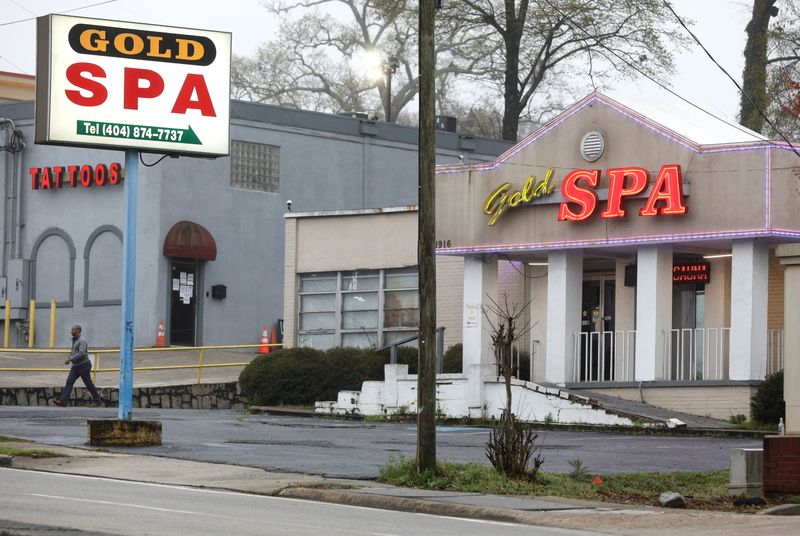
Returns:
(537, 511)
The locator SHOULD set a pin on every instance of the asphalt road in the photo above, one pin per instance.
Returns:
(354, 449)
(96, 505)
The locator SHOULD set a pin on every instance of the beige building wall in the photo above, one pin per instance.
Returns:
(450, 297)
(365, 240)
(17, 87)
(720, 402)
(775, 298)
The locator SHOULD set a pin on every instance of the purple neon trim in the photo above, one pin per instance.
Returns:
(636, 240)
(631, 114)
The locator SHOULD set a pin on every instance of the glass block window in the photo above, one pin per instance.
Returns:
(255, 166)
(362, 308)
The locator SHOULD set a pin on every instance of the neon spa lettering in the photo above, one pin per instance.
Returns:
(502, 198)
(578, 189)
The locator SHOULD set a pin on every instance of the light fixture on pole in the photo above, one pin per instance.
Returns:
(390, 66)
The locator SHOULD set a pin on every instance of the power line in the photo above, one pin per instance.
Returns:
(65, 11)
(721, 68)
(643, 73)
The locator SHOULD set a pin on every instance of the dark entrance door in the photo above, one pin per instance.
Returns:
(597, 330)
(183, 310)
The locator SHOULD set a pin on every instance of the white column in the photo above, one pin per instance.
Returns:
(749, 286)
(624, 324)
(564, 293)
(653, 310)
(480, 281)
(789, 254)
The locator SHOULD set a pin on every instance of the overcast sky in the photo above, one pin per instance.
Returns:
(719, 24)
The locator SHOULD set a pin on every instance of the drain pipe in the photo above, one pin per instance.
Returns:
(18, 198)
(14, 145)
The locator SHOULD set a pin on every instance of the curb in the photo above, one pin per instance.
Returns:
(554, 427)
(403, 504)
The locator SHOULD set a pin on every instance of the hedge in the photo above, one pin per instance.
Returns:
(304, 375)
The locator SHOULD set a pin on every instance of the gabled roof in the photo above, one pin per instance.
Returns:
(684, 124)
(686, 121)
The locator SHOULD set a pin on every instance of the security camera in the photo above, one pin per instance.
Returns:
(289, 205)
(461, 158)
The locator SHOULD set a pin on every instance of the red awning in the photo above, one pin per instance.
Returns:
(189, 240)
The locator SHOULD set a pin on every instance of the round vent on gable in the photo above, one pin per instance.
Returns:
(592, 146)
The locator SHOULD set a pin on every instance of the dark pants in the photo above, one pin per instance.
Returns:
(82, 371)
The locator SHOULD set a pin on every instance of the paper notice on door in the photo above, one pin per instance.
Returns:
(183, 278)
(185, 293)
(176, 284)
(190, 280)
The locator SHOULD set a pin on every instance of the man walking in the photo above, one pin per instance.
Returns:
(81, 368)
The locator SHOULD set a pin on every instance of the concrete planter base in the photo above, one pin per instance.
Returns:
(116, 433)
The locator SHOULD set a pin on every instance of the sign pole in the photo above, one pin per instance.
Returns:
(128, 285)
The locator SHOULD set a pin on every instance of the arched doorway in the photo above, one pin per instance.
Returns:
(187, 245)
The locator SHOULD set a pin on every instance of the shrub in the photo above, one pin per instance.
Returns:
(305, 375)
(453, 358)
(767, 404)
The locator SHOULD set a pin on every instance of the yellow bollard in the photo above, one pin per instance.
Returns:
(7, 326)
(52, 323)
(31, 323)
(96, 366)
(200, 365)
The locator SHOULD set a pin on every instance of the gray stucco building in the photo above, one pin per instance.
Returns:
(202, 222)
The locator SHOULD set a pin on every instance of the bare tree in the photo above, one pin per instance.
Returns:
(524, 45)
(783, 73)
(754, 77)
(512, 445)
(312, 63)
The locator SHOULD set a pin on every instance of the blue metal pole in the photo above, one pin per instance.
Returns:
(128, 285)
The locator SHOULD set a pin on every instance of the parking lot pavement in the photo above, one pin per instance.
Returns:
(354, 449)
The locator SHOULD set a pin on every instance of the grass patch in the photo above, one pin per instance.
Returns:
(703, 490)
(33, 453)
(4, 439)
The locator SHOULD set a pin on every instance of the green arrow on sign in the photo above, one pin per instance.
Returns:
(137, 132)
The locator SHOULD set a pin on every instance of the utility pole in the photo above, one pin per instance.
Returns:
(426, 377)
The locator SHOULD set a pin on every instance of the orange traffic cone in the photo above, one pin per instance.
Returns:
(273, 338)
(264, 348)
(161, 336)
(597, 480)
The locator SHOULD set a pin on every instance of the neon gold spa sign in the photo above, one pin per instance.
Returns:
(579, 190)
(502, 198)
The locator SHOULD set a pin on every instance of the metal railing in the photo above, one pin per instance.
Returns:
(603, 356)
(200, 365)
(696, 353)
(439, 348)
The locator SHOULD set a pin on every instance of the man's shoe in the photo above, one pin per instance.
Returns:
(59, 402)
(96, 404)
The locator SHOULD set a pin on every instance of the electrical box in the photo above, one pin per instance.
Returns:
(219, 292)
(18, 287)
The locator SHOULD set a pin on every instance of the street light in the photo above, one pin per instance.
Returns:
(390, 66)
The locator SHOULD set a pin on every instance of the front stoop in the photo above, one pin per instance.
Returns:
(117, 433)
